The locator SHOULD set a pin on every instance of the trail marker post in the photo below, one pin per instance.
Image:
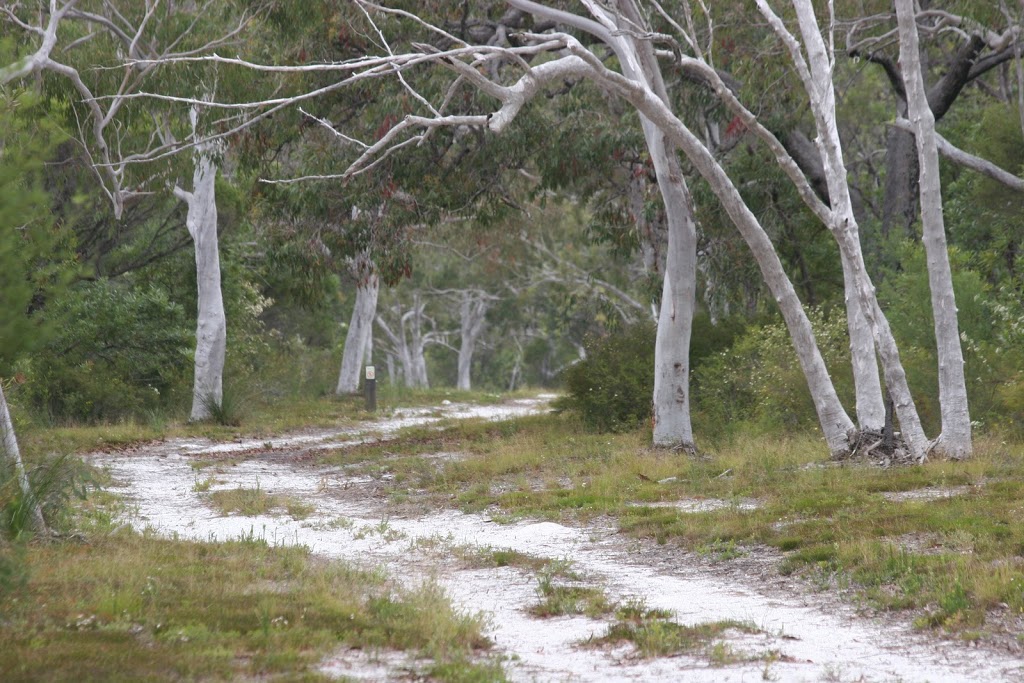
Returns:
(371, 389)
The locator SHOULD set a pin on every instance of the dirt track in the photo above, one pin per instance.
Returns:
(813, 635)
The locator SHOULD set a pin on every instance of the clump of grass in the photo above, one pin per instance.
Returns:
(202, 486)
(250, 502)
(654, 634)
(128, 607)
(230, 410)
(559, 598)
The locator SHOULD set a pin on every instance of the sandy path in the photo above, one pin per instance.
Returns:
(818, 640)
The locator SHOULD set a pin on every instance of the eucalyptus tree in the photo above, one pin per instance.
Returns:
(961, 44)
(33, 263)
(109, 54)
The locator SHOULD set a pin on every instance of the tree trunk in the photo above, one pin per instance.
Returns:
(472, 310)
(955, 437)
(821, 92)
(417, 345)
(672, 424)
(211, 325)
(836, 425)
(671, 399)
(10, 452)
(899, 203)
(866, 383)
(816, 74)
(360, 329)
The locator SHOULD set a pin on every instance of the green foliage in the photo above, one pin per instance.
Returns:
(611, 387)
(55, 484)
(34, 256)
(991, 331)
(758, 380)
(117, 351)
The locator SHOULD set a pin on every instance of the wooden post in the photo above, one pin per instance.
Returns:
(371, 389)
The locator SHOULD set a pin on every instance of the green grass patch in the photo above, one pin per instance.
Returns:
(129, 607)
(654, 634)
(250, 502)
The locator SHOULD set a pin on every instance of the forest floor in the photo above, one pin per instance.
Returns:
(563, 600)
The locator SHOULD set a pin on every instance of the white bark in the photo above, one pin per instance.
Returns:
(10, 452)
(955, 438)
(472, 313)
(821, 92)
(817, 79)
(409, 340)
(417, 344)
(211, 324)
(836, 425)
(359, 336)
(671, 400)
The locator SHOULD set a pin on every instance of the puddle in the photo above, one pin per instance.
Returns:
(815, 637)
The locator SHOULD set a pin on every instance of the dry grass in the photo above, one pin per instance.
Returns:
(128, 607)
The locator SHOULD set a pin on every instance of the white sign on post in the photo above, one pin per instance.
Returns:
(370, 372)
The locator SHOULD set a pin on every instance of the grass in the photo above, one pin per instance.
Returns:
(653, 633)
(250, 502)
(948, 563)
(130, 607)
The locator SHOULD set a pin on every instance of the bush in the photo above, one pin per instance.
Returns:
(758, 381)
(116, 352)
(611, 388)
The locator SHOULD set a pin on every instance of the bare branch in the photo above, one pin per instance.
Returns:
(968, 160)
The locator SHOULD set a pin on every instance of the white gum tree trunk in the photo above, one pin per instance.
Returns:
(820, 90)
(472, 314)
(358, 339)
(816, 73)
(11, 453)
(955, 438)
(672, 424)
(418, 344)
(836, 425)
(211, 324)
(671, 400)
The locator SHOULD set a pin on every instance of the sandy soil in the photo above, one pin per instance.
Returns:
(815, 635)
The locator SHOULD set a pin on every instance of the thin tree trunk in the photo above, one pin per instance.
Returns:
(417, 345)
(866, 383)
(211, 324)
(360, 330)
(836, 425)
(816, 74)
(821, 92)
(10, 452)
(472, 311)
(955, 438)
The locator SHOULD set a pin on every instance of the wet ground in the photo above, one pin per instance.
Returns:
(802, 635)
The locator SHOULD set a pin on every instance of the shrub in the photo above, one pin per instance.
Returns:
(611, 388)
(758, 381)
(116, 351)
